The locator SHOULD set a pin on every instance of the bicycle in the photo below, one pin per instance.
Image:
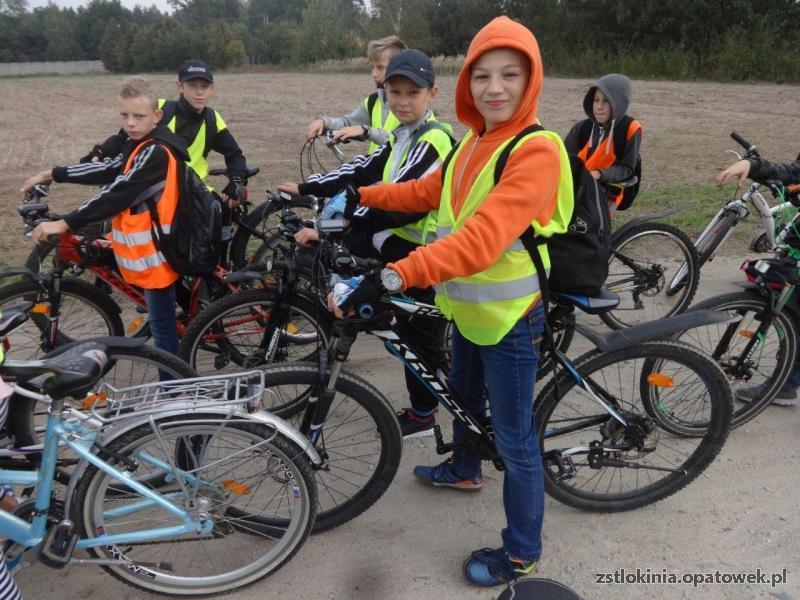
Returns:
(760, 350)
(679, 414)
(733, 212)
(183, 463)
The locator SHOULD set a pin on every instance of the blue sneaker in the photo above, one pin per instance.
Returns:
(487, 568)
(444, 475)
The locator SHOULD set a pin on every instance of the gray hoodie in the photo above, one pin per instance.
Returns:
(617, 89)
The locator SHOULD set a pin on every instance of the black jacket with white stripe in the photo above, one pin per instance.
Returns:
(121, 190)
(368, 170)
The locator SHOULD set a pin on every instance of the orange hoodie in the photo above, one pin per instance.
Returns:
(526, 192)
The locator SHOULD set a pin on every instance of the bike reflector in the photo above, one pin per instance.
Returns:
(660, 380)
(42, 308)
(135, 325)
(93, 399)
(746, 333)
(236, 487)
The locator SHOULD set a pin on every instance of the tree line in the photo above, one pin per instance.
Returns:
(671, 39)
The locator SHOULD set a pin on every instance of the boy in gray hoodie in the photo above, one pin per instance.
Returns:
(608, 141)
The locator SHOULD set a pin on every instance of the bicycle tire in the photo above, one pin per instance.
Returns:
(311, 323)
(337, 439)
(771, 372)
(244, 249)
(560, 401)
(287, 466)
(643, 293)
(101, 311)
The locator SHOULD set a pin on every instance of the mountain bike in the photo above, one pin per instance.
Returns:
(759, 350)
(181, 489)
(733, 212)
(624, 425)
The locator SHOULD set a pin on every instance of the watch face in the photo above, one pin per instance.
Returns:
(392, 281)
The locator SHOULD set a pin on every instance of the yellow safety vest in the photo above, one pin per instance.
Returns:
(197, 148)
(422, 231)
(376, 118)
(485, 306)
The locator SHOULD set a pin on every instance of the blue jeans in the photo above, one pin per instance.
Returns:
(506, 373)
(161, 317)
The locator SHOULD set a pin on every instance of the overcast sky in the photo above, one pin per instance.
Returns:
(162, 5)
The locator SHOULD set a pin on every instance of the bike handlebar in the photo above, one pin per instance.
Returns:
(749, 148)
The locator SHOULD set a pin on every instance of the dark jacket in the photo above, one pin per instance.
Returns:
(121, 191)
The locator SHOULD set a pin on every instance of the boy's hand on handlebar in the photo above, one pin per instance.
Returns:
(738, 170)
(348, 133)
(350, 294)
(44, 230)
(290, 187)
(315, 128)
(233, 193)
(306, 236)
(45, 177)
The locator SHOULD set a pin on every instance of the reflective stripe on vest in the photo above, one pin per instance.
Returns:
(604, 155)
(486, 305)
(376, 120)
(139, 260)
(420, 232)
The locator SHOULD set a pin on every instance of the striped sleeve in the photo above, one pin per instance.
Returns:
(148, 168)
(362, 170)
(92, 173)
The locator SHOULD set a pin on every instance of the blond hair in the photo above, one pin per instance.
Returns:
(392, 43)
(138, 87)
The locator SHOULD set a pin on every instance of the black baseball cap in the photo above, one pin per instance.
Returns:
(412, 64)
(195, 69)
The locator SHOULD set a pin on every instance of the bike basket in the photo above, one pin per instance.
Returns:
(235, 391)
(775, 272)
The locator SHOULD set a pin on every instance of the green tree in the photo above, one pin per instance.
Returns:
(205, 12)
(114, 47)
(261, 12)
(92, 21)
(327, 32)
(223, 48)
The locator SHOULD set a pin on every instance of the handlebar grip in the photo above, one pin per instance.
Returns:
(751, 149)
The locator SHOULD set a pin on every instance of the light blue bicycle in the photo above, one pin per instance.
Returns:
(182, 486)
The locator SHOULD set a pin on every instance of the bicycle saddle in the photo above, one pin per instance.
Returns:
(603, 301)
(12, 317)
(72, 373)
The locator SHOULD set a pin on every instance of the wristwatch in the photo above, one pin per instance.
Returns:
(391, 280)
(365, 129)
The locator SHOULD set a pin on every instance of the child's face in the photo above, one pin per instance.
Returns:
(498, 81)
(197, 92)
(601, 108)
(138, 116)
(378, 66)
(407, 100)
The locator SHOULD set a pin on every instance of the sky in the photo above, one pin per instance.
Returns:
(162, 5)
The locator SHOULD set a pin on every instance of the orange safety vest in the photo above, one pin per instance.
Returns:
(604, 155)
(139, 260)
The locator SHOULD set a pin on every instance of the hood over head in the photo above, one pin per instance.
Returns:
(501, 32)
(615, 87)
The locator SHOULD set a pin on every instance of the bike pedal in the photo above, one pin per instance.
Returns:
(58, 545)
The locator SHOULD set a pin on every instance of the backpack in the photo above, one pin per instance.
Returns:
(578, 257)
(620, 140)
(193, 245)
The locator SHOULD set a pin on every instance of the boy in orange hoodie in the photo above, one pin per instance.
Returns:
(485, 279)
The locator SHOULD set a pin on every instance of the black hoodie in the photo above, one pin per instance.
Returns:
(122, 190)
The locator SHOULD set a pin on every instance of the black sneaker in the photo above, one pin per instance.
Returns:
(784, 397)
(412, 425)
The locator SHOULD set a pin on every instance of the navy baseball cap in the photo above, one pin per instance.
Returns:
(195, 69)
(412, 64)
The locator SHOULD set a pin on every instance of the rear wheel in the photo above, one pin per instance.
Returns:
(765, 366)
(677, 409)
(644, 260)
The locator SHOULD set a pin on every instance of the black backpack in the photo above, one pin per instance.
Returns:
(579, 257)
(193, 245)
(620, 139)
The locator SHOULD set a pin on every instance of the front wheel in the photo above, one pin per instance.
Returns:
(255, 486)
(360, 438)
(757, 353)
(644, 260)
(676, 407)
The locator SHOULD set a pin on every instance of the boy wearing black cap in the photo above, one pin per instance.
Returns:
(202, 128)
(415, 148)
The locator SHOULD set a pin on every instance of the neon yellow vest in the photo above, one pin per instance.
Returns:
(422, 231)
(376, 120)
(486, 305)
(197, 147)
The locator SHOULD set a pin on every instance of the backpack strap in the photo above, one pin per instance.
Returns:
(372, 100)
(211, 129)
(450, 155)
(429, 125)
(584, 131)
(170, 109)
(621, 135)
(506, 152)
